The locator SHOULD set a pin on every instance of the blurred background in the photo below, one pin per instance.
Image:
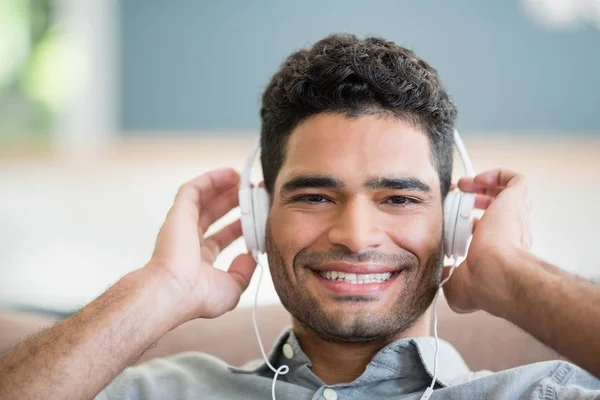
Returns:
(107, 106)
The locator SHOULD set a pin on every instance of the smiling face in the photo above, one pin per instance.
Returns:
(354, 236)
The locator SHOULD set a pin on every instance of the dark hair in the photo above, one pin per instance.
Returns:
(354, 77)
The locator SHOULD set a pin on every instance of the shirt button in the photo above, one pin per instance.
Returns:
(288, 351)
(329, 394)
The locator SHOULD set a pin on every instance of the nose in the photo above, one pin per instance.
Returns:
(356, 227)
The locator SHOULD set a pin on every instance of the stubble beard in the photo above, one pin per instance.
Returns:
(421, 284)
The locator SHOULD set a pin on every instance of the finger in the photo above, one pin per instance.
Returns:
(452, 186)
(482, 201)
(217, 208)
(497, 178)
(210, 251)
(468, 185)
(201, 190)
(445, 273)
(223, 238)
(241, 270)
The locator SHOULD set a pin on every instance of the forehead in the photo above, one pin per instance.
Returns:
(356, 148)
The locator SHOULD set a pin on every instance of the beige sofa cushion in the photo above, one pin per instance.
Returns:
(484, 341)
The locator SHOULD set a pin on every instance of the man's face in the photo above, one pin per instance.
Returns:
(354, 236)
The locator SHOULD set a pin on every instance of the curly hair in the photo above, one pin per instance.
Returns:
(355, 77)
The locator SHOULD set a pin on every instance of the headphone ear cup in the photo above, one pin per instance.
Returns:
(261, 212)
(458, 223)
(463, 229)
(246, 198)
(450, 210)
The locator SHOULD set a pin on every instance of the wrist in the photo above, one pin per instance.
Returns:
(160, 297)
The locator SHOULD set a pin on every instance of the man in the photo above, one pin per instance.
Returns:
(357, 156)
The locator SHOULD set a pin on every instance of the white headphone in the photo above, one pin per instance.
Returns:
(458, 207)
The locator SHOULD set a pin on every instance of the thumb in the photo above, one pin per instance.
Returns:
(446, 273)
(241, 270)
(456, 290)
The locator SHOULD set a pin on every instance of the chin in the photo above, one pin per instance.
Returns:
(352, 329)
(354, 321)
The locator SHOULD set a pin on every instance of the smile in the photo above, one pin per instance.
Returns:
(356, 279)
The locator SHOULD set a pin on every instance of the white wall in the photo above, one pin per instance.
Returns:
(69, 227)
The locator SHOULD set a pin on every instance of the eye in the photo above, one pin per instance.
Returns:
(401, 201)
(311, 198)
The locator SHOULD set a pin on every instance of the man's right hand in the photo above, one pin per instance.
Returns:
(184, 256)
(179, 283)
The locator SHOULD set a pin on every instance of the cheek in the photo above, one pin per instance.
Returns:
(294, 231)
(420, 234)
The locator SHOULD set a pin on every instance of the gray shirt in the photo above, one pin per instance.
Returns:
(401, 370)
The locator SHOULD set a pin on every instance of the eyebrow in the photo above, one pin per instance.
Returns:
(377, 183)
(311, 181)
(412, 184)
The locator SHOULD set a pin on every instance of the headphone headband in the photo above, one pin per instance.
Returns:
(464, 156)
(245, 178)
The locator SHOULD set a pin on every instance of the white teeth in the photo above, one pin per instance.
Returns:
(358, 279)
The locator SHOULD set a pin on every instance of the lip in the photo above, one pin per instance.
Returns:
(347, 288)
(355, 268)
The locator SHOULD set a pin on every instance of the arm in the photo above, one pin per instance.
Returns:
(501, 276)
(557, 308)
(80, 356)
(92, 346)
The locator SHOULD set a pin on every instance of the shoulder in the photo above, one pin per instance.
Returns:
(567, 381)
(543, 380)
(560, 373)
(191, 372)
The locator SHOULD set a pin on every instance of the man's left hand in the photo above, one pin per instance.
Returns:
(481, 281)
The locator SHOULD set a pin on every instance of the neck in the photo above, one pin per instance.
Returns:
(343, 362)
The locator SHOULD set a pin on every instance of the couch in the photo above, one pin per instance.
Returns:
(485, 342)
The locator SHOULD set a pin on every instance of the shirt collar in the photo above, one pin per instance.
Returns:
(451, 368)
(276, 357)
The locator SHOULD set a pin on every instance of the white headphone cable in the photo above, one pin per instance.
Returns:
(429, 391)
(464, 156)
(284, 369)
(469, 171)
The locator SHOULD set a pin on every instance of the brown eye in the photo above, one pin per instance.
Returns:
(401, 201)
(311, 198)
